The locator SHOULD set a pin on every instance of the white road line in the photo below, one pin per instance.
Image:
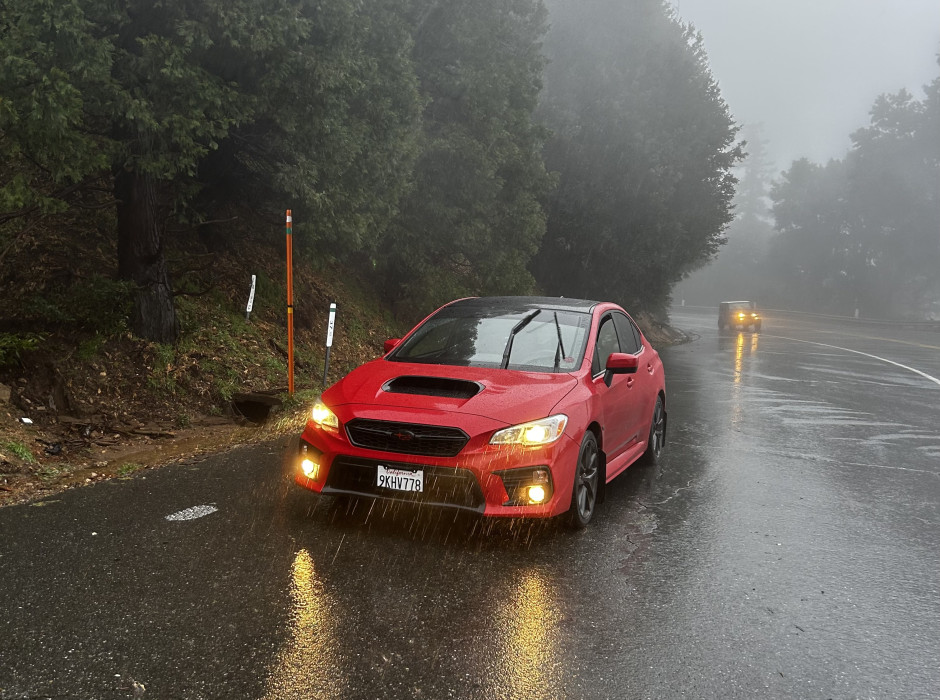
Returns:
(859, 352)
(192, 513)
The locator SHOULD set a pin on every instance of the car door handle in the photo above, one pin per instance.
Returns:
(649, 368)
(629, 382)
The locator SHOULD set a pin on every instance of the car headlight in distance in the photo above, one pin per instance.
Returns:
(537, 432)
(323, 416)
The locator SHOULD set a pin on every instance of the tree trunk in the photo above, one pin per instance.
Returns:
(140, 257)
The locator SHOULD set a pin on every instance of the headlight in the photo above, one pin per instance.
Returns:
(323, 416)
(538, 432)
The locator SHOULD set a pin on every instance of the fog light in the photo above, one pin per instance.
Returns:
(309, 468)
(536, 494)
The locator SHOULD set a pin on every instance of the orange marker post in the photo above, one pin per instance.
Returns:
(290, 307)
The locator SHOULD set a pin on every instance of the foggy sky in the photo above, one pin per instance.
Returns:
(810, 70)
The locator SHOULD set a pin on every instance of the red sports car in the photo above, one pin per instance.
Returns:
(506, 406)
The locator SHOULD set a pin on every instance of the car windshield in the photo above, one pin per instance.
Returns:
(529, 339)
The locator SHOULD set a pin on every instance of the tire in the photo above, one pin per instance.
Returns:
(657, 437)
(585, 488)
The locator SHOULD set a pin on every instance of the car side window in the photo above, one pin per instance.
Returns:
(629, 338)
(606, 343)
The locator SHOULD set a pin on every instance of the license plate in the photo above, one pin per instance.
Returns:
(400, 479)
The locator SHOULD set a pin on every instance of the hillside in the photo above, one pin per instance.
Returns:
(82, 399)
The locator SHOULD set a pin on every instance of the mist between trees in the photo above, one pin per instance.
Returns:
(455, 147)
(857, 235)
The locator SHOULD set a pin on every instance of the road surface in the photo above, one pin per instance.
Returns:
(787, 546)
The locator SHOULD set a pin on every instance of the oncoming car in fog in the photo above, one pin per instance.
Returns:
(505, 406)
(738, 314)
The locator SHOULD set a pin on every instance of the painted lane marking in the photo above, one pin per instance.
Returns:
(192, 513)
(878, 337)
(865, 354)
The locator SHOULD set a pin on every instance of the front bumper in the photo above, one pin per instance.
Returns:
(482, 478)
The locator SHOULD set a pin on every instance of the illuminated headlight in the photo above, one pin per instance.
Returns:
(539, 432)
(323, 416)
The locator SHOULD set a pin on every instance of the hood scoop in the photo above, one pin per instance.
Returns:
(433, 386)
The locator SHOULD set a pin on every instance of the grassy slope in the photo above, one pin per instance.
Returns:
(96, 393)
(105, 403)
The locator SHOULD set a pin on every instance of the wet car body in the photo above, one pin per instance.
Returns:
(527, 421)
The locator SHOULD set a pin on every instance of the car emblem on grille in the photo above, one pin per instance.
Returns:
(403, 435)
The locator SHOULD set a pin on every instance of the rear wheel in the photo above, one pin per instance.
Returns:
(586, 476)
(657, 437)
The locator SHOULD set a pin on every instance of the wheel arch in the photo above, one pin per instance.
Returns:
(595, 428)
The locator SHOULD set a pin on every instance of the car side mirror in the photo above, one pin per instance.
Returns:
(620, 363)
(390, 344)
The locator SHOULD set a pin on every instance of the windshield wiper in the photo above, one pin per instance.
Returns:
(560, 349)
(512, 334)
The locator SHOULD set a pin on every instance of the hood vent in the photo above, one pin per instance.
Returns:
(433, 386)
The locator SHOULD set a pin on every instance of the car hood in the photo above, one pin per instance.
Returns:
(508, 396)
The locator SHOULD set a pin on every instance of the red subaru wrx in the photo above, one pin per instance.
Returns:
(506, 406)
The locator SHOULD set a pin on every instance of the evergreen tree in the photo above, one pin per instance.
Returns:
(644, 146)
(474, 217)
(862, 233)
(312, 103)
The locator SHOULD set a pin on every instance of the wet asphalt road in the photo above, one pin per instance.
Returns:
(788, 546)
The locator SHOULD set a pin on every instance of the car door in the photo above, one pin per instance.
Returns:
(618, 415)
(642, 385)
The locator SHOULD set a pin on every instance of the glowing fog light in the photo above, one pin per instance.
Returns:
(309, 468)
(536, 494)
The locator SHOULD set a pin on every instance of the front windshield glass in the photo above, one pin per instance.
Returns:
(743, 306)
(550, 341)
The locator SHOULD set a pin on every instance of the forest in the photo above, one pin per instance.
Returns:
(856, 236)
(446, 147)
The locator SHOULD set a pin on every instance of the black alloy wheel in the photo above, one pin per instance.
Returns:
(657, 438)
(584, 492)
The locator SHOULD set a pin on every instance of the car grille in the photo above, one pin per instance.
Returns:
(443, 486)
(406, 438)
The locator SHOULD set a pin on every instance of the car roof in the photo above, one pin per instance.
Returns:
(743, 301)
(522, 303)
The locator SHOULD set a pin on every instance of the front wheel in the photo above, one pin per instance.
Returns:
(657, 438)
(584, 491)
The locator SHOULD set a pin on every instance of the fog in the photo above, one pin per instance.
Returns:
(858, 235)
(809, 70)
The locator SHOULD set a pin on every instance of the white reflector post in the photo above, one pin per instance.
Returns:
(329, 327)
(251, 298)
(329, 341)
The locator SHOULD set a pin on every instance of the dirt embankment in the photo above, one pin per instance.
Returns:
(105, 419)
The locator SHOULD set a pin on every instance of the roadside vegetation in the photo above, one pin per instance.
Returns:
(428, 151)
(858, 234)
